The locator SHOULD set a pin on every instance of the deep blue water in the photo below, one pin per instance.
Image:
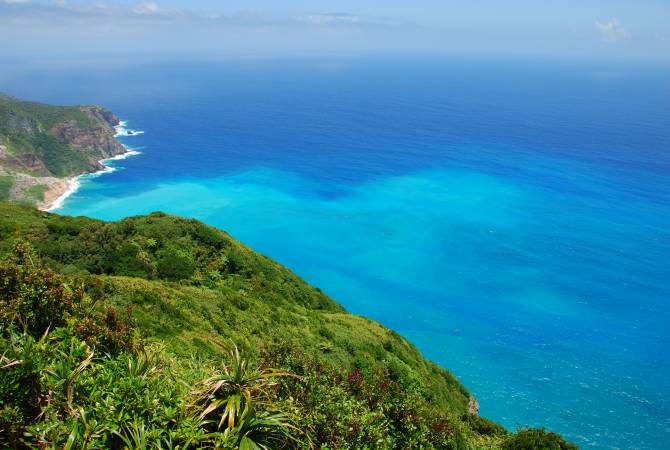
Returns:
(511, 218)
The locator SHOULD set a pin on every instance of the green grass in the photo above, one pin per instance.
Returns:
(233, 292)
(36, 193)
(6, 183)
(24, 128)
(192, 293)
(46, 115)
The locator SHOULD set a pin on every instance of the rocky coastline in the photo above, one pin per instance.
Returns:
(82, 138)
(101, 138)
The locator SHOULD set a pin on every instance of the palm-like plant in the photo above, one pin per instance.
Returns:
(258, 431)
(229, 393)
(237, 400)
(144, 363)
(67, 370)
(136, 436)
(84, 430)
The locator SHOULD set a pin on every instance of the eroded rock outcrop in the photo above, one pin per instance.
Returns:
(97, 141)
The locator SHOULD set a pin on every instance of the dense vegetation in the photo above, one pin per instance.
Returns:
(47, 115)
(161, 332)
(24, 130)
(5, 186)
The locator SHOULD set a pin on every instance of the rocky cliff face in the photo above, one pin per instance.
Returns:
(22, 162)
(97, 141)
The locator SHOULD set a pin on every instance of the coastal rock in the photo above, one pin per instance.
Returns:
(473, 406)
(102, 114)
(97, 141)
(23, 162)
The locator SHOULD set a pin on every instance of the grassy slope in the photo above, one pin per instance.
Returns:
(24, 129)
(46, 115)
(5, 185)
(226, 292)
(193, 291)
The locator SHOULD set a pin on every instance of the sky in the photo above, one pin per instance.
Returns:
(625, 29)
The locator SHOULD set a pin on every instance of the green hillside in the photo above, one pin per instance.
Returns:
(123, 335)
(24, 130)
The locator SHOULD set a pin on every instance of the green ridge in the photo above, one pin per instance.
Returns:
(24, 130)
(184, 294)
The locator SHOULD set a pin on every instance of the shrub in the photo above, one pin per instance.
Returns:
(482, 425)
(238, 400)
(358, 385)
(107, 332)
(20, 385)
(175, 265)
(536, 439)
(35, 299)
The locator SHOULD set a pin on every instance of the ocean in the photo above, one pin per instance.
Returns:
(510, 217)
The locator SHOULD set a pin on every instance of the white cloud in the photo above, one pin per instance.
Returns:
(343, 19)
(135, 26)
(613, 31)
(330, 19)
(146, 8)
(86, 26)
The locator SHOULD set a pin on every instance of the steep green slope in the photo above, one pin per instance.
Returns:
(218, 289)
(196, 291)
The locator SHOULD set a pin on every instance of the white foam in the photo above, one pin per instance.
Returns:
(75, 183)
(130, 152)
(122, 130)
(107, 169)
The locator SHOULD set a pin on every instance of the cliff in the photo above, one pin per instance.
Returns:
(95, 141)
(42, 146)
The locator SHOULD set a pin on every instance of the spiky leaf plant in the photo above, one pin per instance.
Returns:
(260, 431)
(226, 397)
(236, 401)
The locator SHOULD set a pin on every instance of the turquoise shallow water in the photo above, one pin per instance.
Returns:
(514, 226)
(462, 264)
